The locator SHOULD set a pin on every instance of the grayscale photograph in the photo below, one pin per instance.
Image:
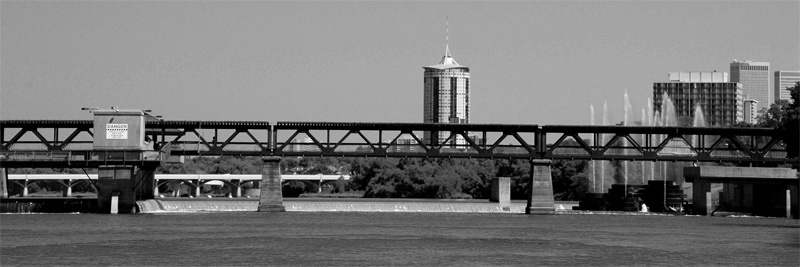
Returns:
(400, 133)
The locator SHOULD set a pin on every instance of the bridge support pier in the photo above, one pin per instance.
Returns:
(540, 198)
(237, 192)
(501, 192)
(701, 197)
(271, 199)
(145, 183)
(793, 199)
(127, 184)
(196, 189)
(115, 180)
(67, 188)
(3, 183)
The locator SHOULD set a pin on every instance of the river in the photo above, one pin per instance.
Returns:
(389, 238)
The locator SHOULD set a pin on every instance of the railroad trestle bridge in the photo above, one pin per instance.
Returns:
(69, 144)
(29, 143)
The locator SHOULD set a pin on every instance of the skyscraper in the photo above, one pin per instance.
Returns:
(754, 77)
(720, 100)
(783, 80)
(446, 94)
(750, 111)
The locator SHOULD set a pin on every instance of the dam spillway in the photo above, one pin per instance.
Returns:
(335, 205)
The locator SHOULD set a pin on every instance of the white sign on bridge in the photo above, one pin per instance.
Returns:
(116, 131)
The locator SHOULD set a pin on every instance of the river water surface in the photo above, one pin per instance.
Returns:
(399, 239)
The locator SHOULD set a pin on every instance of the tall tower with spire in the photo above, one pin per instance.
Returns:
(446, 93)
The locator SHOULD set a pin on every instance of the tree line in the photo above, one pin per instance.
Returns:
(405, 177)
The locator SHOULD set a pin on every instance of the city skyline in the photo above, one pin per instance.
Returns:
(538, 63)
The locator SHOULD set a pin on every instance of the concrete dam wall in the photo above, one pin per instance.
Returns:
(353, 205)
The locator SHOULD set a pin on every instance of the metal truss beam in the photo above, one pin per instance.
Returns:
(340, 139)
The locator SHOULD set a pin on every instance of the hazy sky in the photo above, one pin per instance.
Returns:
(531, 62)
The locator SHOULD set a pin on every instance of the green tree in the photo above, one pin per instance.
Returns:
(784, 115)
(790, 123)
(773, 116)
(570, 179)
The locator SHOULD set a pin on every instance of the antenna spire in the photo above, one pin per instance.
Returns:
(447, 59)
(447, 37)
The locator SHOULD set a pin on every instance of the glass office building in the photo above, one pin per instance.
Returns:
(446, 95)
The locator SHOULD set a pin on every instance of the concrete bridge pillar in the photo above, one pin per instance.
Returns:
(67, 188)
(540, 198)
(115, 180)
(701, 197)
(793, 207)
(3, 183)
(146, 183)
(156, 193)
(271, 198)
(197, 188)
(501, 192)
(25, 188)
(237, 190)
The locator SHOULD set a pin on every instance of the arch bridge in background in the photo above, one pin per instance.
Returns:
(234, 181)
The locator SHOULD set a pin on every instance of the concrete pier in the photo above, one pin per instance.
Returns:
(701, 201)
(501, 192)
(540, 200)
(67, 188)
(760, 191)
(3, 183)
(145, 183)
(271, 199)
(115, 180)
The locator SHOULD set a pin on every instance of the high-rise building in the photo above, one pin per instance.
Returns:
(405, 144)
(750, 111)
(785, 79)
(446, 95)
(698, 76)
(720, 100)
(754, 77)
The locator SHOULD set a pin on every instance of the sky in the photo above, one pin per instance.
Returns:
(531, 62)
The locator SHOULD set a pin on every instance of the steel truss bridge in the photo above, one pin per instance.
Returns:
(68, 143)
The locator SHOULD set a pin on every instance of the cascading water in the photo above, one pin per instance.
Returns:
(668, 112)
(651, 122)
(641, 140)
(699, 121)
(594, 172)
(626, 122)
(621, 171)
(699, 117)
(603, 141)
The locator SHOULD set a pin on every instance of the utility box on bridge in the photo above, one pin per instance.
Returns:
(119, 130)
(120, 134)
